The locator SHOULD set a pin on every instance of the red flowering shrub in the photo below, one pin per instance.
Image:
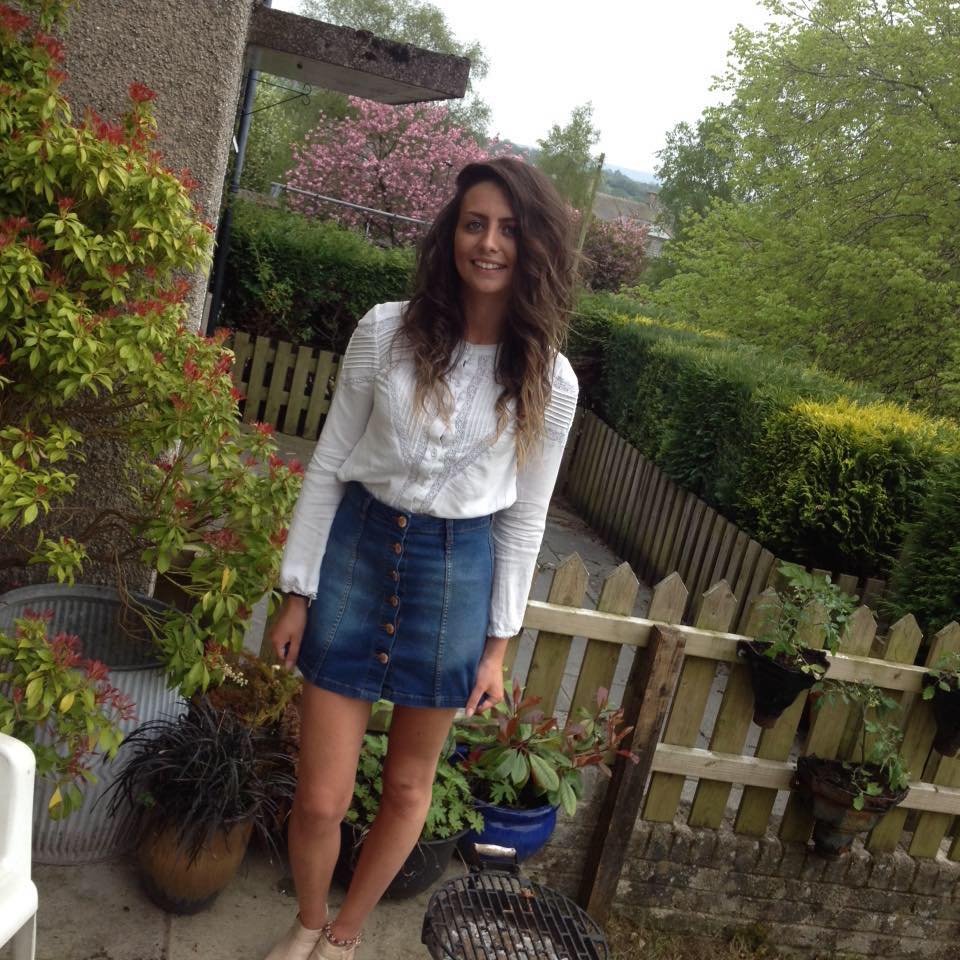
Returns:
(53, 689)
(95, 231)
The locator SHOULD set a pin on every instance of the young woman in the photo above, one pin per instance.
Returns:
(414, 542)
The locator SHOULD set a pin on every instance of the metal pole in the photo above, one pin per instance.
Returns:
(219, 269)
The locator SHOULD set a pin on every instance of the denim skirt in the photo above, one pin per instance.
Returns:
(402, 605)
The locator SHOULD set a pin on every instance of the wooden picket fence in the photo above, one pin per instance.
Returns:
(286, 386)
(688, 658)
(659, 527)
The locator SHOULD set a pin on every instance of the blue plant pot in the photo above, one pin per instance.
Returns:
(526, 831)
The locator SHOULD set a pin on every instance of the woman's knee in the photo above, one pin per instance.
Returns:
(322, 806)
(407, 795)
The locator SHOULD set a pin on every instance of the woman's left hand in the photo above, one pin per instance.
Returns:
(488, 689)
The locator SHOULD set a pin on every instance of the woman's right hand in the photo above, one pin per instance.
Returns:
(287, 630)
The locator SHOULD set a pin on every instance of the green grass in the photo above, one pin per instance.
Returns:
(632, 940)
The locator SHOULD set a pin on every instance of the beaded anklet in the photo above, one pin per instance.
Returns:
(340, 941)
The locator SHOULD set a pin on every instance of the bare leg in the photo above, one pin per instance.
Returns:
(416, 737)
(331, 733)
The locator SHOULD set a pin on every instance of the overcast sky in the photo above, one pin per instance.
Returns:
(645, 64)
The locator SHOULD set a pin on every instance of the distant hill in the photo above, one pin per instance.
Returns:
(617, 181)
(618, 184)
(641, 176)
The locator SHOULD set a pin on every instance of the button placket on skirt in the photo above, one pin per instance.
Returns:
(390, 604)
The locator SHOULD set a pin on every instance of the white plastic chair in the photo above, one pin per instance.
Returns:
(18, 894)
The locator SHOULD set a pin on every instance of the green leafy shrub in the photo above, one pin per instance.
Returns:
(305, 280)
(834, 483)
(48, 686)
(96, 237)
(926, 580)
(451, 807)
(818, 469)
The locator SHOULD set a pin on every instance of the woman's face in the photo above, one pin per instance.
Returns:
(485, 244)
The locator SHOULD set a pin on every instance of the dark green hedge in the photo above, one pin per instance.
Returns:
(305, 280)
(927, 578)
(819, 470)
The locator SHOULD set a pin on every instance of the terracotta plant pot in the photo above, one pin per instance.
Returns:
(825, 786)
(177, 886)
(946, 711)
(775, 685)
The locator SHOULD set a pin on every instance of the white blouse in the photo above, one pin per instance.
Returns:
(420, 464)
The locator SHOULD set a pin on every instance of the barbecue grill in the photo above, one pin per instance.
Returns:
(494, 913)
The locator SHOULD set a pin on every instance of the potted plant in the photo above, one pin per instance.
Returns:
(450, 815)
(780, 665)
(848, 797)
(199, 784)
(522, 766)
(941, 684)
(97, 351)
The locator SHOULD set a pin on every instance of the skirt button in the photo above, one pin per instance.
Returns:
(383, 657)
(401, 522)
(394, 600)
(389, 629)
(394, 575)
(397, 547)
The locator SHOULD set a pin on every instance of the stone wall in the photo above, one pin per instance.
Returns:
(712, 883)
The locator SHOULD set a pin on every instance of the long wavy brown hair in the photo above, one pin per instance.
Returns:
(539, 306)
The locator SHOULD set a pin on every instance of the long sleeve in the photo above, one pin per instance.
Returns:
(518, 529)
(322, 492)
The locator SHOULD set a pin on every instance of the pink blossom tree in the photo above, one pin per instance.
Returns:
(403, 160)
(613, 253)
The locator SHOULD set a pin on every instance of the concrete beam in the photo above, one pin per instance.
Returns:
(354, 62)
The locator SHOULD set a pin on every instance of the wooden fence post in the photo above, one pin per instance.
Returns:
(653, 679)
(717, 610)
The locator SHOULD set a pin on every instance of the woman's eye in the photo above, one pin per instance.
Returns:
(474, 225)
(510, 231)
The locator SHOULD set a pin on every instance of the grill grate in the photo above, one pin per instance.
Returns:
(497, 916)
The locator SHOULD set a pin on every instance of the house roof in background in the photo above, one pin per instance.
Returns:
(353, 62)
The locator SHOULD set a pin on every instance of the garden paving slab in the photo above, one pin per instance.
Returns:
(98, 912)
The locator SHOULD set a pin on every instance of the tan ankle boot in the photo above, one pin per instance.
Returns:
(330, 948)
(297, 944)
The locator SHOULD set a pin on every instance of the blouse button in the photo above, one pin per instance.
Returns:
(397, 548)
(401, 522)
(383, 657)
(389, 628)
(394, 600)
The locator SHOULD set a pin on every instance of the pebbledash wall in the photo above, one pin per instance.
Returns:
(708, 882)
(191, 53)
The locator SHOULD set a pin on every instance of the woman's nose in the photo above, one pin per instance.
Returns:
(489, 238)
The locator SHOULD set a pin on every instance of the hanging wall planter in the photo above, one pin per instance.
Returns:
(830, 790)
(942, 686)
(776, 684)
